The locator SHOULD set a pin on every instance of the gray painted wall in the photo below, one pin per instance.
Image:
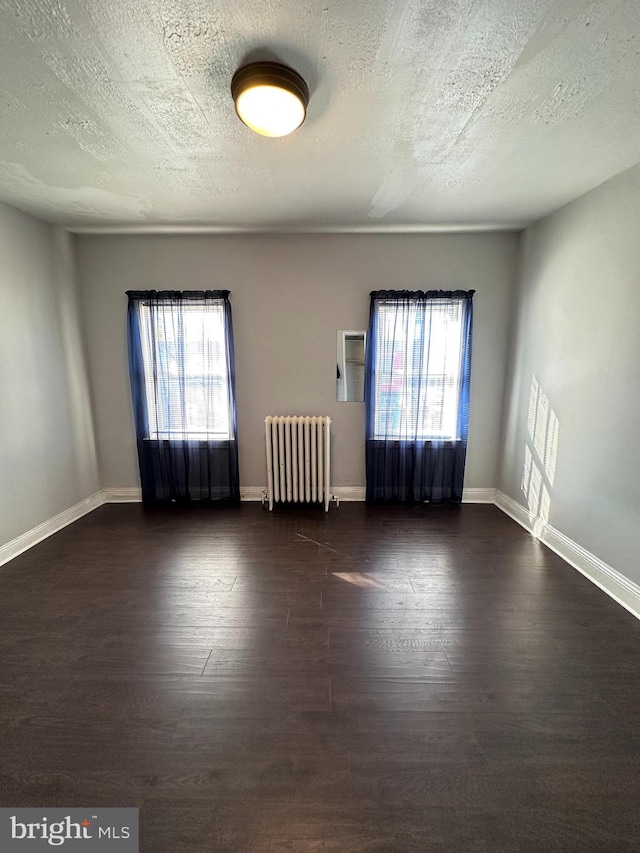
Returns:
(576, 328)
(290, 294)
(47, 454)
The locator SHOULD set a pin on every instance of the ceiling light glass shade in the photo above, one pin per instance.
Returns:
(270, 111)
(270, 98)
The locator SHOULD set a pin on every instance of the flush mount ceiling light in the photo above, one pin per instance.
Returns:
(270, 98)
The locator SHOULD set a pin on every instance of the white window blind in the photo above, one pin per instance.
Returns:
(418, 369)
(185, 363)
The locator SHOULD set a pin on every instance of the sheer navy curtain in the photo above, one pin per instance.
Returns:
(417, 384)
(181, 364)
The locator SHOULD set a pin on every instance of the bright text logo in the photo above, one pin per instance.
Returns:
(72, 829)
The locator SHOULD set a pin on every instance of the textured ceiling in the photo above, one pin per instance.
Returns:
(422, 112)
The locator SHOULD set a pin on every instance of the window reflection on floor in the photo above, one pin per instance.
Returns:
(358, 579)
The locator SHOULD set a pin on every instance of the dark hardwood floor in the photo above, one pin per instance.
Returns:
(398, 679)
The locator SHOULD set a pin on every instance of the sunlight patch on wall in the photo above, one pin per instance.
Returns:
(540, 456)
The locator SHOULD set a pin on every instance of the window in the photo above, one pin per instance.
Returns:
(417, 393)
(184, 354)
(181, 364)
(418, 369)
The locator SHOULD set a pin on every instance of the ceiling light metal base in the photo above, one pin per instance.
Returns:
(269, 76)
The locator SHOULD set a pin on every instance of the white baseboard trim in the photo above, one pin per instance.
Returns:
(252, 493)
(357, 493)
(122, 496)
(514, 510)
(27, 540)
(349, 494)
(478, 496)
(610, 580)
(343, 493)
